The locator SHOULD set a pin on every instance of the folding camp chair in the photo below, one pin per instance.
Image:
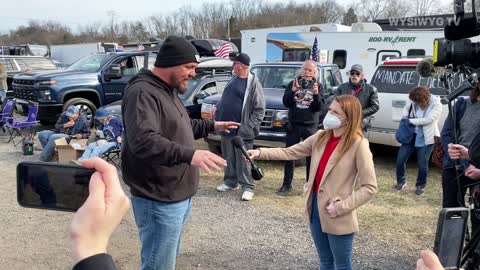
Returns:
(6, 112)
(114, 155)
(18, 128)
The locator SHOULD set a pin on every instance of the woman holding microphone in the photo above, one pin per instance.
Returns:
(340, 161)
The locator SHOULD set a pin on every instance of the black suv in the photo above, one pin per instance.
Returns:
(274, 78)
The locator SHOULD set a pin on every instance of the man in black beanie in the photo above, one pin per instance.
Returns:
(158, 151)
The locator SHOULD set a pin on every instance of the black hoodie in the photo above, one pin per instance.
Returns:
(159, 141)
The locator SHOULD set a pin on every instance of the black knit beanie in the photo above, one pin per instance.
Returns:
(176, 51)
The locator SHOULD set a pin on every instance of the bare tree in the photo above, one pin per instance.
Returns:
(426, 7)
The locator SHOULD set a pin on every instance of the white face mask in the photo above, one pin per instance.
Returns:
(331, 121)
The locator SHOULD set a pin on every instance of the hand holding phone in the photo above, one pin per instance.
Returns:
(101, 213)
(52, 185)
(450, 236)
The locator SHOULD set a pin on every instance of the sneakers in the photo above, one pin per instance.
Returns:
(400, 186)
(247, 195)
(419, 190)
(223, 188)
(284, 190)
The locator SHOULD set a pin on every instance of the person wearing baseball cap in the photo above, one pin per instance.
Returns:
(159, 160)
(109, 131)
(242, 101)
(70, 124)
(365, 92)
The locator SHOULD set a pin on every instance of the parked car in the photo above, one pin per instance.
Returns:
(16, 64)
(89, 83)
(274, 78)
(199, 88)
(393, 80)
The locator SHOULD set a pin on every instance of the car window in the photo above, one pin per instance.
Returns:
(275, 76)
(35, 64)
(9, 64)
(151, 61)
(221, 86)
(329, 81)
(91, 63)
(210, 89)
(128, 66)
(402, 79)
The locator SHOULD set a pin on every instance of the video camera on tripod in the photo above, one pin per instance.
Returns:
(458, 55)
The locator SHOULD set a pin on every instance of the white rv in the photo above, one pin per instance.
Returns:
(254, 41)
(364, 44)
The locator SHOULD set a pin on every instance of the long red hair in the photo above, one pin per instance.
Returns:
(353, 126)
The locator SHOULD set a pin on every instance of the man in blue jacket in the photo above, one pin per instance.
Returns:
(71, 124)
(110, 133)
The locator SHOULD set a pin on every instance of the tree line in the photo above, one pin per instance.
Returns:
(220, 20)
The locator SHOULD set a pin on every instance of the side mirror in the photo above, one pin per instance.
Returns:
(198, 98)
(113, 72)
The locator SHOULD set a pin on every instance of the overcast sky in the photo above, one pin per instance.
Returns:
(15, 13)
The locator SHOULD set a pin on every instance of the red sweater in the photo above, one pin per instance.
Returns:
(329, 148)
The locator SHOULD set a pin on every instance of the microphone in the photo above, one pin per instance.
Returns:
(465, 86)
(467, 28)
(257, 172)
(426, 68)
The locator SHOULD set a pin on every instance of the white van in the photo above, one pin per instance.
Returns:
(393, 80)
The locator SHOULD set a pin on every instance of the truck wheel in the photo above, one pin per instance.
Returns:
(85, 106)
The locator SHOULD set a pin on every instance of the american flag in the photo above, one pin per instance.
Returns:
(314, 55)
(223, 51)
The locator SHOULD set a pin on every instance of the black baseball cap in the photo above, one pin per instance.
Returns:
(242, 58)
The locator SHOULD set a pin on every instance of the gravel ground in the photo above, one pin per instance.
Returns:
(221, 233)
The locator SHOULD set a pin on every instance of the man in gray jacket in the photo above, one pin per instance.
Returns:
(365, 92)
(242, 101)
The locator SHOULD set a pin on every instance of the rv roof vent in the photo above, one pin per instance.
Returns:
(366, 27)
(315, 29)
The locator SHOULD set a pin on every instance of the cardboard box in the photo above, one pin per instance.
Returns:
(70, 151)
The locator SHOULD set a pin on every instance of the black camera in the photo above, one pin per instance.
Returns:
(456, 49)
(305, 83)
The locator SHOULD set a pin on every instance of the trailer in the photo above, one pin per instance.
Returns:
(365, 44)
(254, 41)
(69, 53)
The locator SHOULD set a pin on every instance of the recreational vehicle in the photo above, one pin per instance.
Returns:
(364, 44)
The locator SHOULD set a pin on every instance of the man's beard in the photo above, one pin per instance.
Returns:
(178, 84)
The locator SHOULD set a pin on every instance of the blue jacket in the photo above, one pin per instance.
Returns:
(447, 133)
(112, 130)
(82, 126)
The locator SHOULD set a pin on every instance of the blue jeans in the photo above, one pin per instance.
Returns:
(160, 228)
(423, 156)
(335, 251)
(95, 149)
(47, 140)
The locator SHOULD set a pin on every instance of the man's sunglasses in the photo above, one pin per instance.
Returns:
(354, 73)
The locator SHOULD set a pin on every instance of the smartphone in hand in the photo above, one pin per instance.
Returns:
(52, 186)
(450, 236)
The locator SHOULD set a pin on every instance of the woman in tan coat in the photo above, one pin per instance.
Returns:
(342, 178)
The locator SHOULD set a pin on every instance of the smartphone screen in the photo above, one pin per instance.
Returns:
(52, 185)
(450, 236)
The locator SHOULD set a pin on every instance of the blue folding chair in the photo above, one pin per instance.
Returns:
(6, 112)
(21, 129)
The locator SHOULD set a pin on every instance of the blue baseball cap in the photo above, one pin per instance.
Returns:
(101, 114)
(71, 111)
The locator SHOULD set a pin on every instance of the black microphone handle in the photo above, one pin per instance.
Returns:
(466, 85)
(244, 152)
